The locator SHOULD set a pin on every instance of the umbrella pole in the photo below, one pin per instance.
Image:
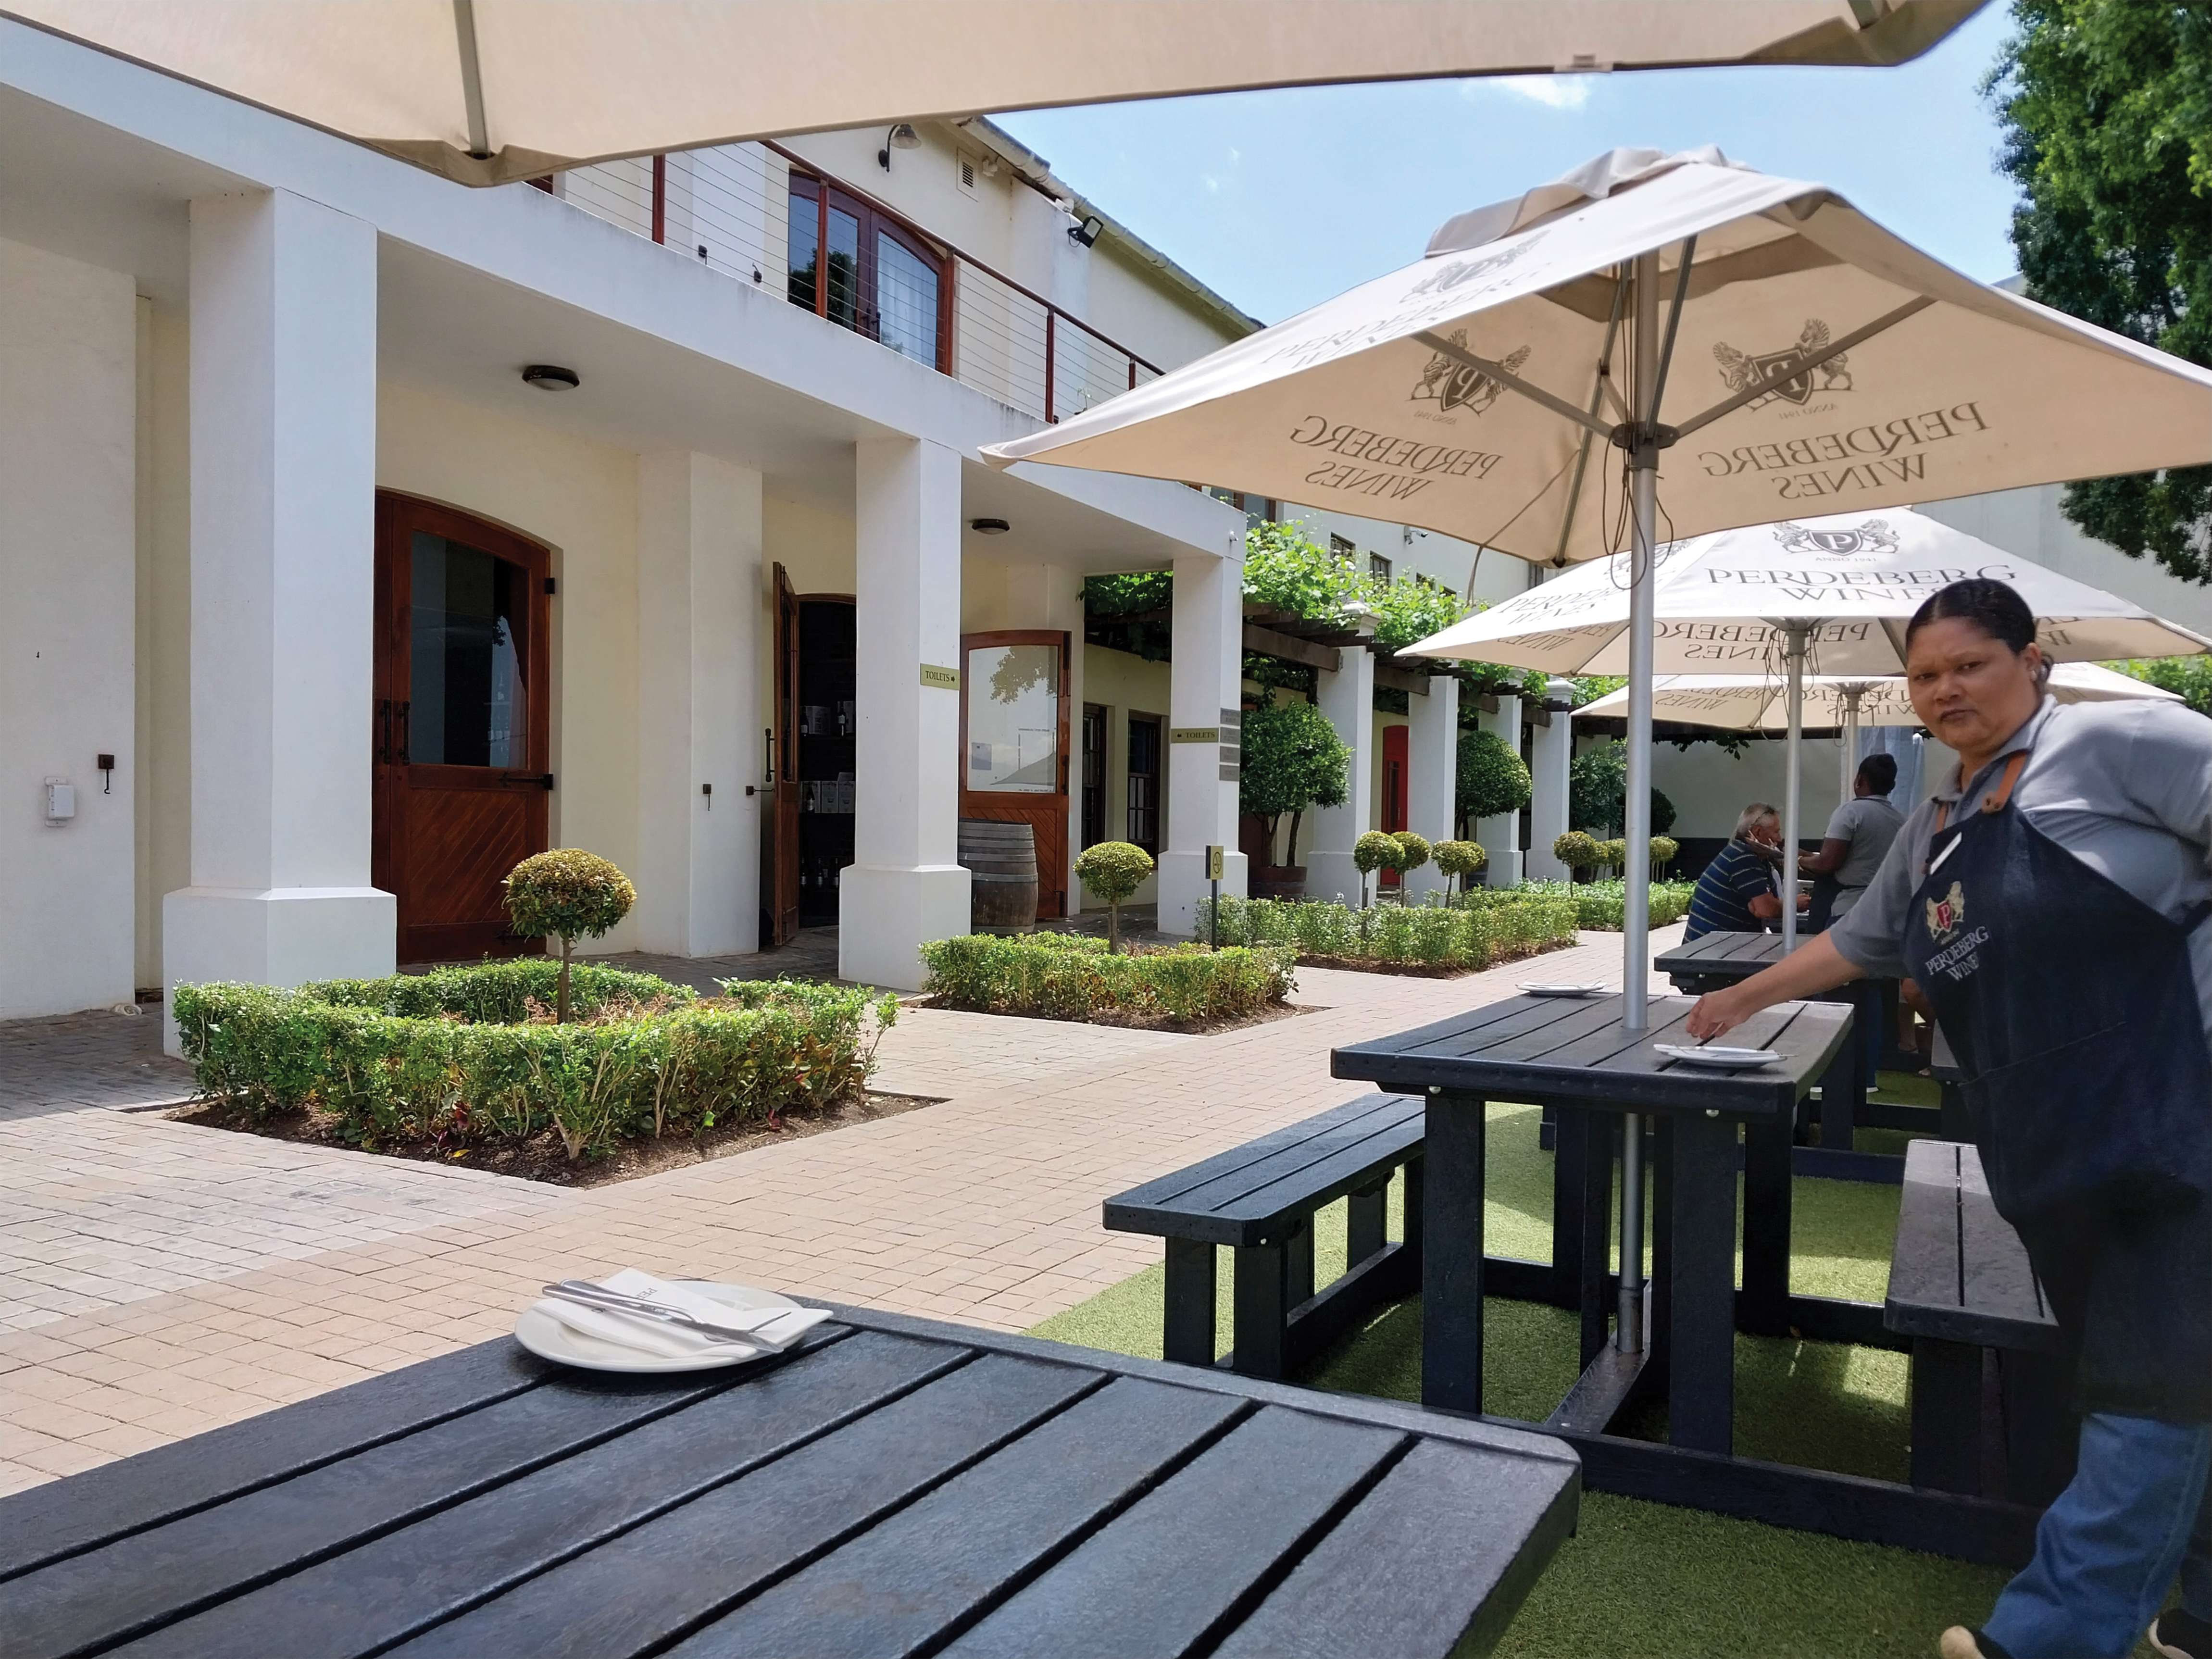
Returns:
(1793, 785)
(1636, 814)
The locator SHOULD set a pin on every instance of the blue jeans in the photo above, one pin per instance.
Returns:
(2136, 1513)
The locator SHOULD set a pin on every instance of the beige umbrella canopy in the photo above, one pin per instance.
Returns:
(488, 91)
(1746, 703)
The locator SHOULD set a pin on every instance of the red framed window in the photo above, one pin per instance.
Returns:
(865, 271)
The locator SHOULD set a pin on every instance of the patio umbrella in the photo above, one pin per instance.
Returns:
(489, 91)
(1830, 596)
(1817, 360)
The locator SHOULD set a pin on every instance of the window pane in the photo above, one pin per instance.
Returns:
(806, 247)
(1013, 719)
(465, 691)
(844, 268)
(906, 300)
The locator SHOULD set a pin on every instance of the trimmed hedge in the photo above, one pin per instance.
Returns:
(1472, 931)
(1601, 905)
(465, 1056)
(1070, 976)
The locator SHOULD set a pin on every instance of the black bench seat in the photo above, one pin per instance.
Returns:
(1260, 1198)
(1989, 1367)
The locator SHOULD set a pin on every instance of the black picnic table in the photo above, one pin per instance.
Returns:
(1575, 1055)
(1718, 960)
(892, 1486)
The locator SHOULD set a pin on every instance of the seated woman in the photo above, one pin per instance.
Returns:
(1737, 894)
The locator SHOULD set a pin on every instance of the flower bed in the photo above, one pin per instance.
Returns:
(1600, 904)
(1071, 976)
(1481, 929)
(470, 1056)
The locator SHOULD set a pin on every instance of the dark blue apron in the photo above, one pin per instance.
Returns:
(2073, 1010)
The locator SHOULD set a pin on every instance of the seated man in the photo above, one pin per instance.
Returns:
(1737, 894)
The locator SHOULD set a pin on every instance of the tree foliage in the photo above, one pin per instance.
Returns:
(1492, 779)
(1113, 870)
(2189, 678)
(1460, 859)
(1414, 851)
(1292, 759)
(1597, 791)
(567, 894)
(2106, 106)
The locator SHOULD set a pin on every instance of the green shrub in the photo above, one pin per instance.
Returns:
(567, 894)
(1460, 859)
(1289, 758)
(1414, 852)
(1376, 850)
(456, 1056)
(1069, 976)
(1602, 904)
(1113, 870)
(1472, 931)
(1577, 850)
(1492, 779)
(1663, 849)
(1613, 854)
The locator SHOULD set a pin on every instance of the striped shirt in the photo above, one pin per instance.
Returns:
(1722, 904)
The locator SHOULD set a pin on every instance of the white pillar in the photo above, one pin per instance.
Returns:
(1348, 698)
(905, 885)
(1204, 716)
(1501, 835)
(1432, 778)
(1550, 756)
(284, 483)
(698, 620)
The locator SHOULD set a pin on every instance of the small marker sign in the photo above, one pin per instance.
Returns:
(946, 679)
(1194, 734)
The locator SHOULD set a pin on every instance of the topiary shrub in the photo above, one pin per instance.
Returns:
(1113, 870)
(1459, 859)
(1663, 848)
(1416, 849)
(1578, 850)
(1492, 779)
(567, 894)
(1613, 854)
(1290, 758)
(1376, 850)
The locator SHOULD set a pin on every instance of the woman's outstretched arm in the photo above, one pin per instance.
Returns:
(1813, 967)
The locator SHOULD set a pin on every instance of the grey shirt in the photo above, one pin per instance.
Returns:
(2126, 788)
(1869, 823)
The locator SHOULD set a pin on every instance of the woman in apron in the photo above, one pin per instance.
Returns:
(2048, 901)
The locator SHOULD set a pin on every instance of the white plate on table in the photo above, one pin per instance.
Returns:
(549, 1338)
(1591, 990)
(1720, 1058)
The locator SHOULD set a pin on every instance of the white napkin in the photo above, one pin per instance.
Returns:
(767, 1329)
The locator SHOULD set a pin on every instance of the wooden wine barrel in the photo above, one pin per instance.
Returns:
(1002, 858)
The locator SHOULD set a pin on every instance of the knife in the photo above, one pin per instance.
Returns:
(586, 1294)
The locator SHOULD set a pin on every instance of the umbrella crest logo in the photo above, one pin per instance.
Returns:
(1448, 278)
(1740, 369)
(1945, 915)
(1453, 385)
(1875, 537)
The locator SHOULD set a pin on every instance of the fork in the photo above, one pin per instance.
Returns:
(588, 1294)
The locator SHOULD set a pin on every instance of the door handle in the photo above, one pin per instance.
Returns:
(404, 707)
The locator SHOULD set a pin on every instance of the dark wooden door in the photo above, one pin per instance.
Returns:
(1393, 786)
(786, 906)
(1014, 721)
(460, 725)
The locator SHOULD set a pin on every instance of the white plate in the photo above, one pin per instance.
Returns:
(1727, 1060)
(1562, 990)
(549, 1338)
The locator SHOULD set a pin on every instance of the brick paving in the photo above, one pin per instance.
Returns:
(165, 1278)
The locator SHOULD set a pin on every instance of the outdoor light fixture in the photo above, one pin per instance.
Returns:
(550, 377)
(988, 526)
(902, 136)
(1086, 232)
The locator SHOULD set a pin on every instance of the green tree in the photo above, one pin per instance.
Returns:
(1414, 851)
(1597, 791)
(1286, 569)
(1292, 759)
(1460, 859)
(2189, 678)
(2106, 106)
(1376, 850)
(1113, 870)
(1491, 781)
(567, 894)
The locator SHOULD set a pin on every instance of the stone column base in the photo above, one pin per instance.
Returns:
(885, 916)
(281, 936)
(1183, 884)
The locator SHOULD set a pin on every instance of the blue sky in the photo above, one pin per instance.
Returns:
(1281, 199)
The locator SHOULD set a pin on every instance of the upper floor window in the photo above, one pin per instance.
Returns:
(1378, 567)
(866, 271)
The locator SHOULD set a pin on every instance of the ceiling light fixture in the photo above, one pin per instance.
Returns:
(902, 136)
(989, 527)
(550, 377)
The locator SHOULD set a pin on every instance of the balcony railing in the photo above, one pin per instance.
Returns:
(730, 208)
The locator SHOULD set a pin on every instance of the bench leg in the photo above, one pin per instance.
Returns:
(1947, 1415)
(1366, 1217)
(1260, 1303)
(1569, 1154)
(1451, 1276)
(1415, 1175)
(1187, 1336)
(1766, 1196)
(1699, 1274)
(1596, 1213)
(1843, 1085)
(1300, 1274)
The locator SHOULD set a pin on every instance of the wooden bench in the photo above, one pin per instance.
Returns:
(1260, 1198)
(1990, 1371)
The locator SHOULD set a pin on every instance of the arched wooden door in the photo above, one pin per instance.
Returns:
(460, 725)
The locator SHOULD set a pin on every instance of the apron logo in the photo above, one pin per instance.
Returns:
(1945, 915)
(1874, 537)
(1738, 369)
(1455, 386)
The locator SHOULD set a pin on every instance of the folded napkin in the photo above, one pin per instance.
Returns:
(768, 1329)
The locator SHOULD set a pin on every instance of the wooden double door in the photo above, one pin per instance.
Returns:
(1014, 730)
(460, 726)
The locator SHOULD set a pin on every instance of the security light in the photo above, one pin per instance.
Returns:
(549, 377)
(988, 526)
(1086, 232)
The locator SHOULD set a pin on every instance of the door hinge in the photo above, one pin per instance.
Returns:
(548, 783)
(552, 585)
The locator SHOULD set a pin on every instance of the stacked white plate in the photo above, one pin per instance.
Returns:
(608, 1338)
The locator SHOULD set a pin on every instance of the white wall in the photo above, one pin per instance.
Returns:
(68, 567)
(1710, 788)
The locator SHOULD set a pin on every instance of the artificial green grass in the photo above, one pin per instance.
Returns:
(1646, 1581)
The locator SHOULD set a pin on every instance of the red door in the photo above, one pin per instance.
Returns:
(1393, 786)
(463, 697)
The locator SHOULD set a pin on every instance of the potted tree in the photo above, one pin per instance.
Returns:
(1113, 870)
(1491, 781)
(1291, 760)
(567, 894)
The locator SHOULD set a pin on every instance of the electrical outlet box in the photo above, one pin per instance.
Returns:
(61, 800)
